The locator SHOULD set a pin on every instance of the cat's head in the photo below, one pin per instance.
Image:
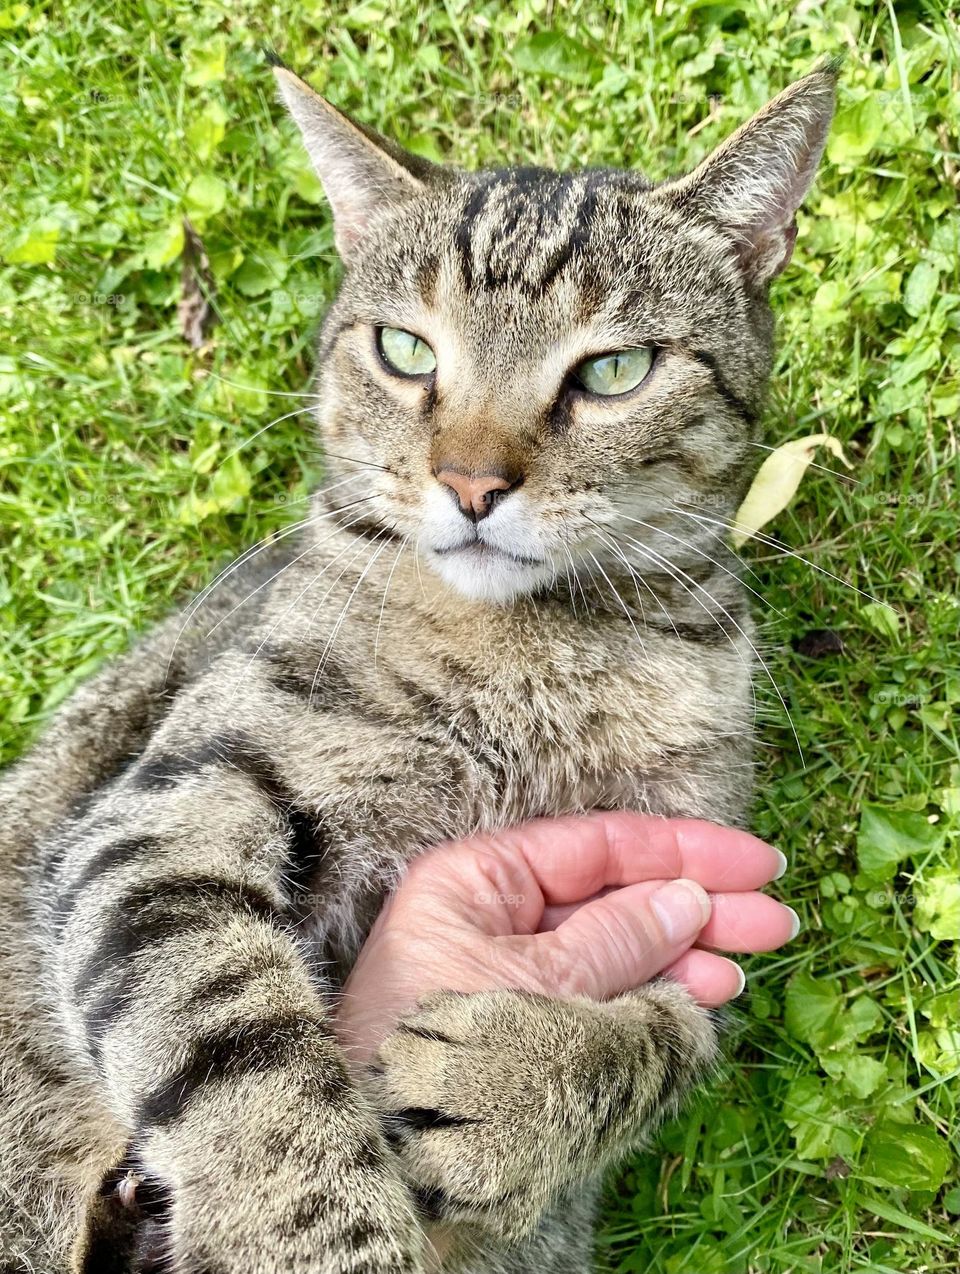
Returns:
(527, 372)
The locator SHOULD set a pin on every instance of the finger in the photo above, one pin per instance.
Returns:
(711, 979)
(502, 882)
(574, 858)
(554, 916)
(748, 922)
(739, 922)
(619, 941)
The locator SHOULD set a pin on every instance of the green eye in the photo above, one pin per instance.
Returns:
(406, 353)
(613, 374)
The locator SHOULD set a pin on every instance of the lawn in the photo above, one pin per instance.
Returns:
(132, 464)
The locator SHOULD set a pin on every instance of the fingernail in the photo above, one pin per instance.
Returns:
(783, 863)
(743, 980)
(795, 924)
(682, 907)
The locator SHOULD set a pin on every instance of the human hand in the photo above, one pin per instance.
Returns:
(573, 906)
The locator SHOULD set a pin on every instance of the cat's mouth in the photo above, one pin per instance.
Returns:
(481, 549)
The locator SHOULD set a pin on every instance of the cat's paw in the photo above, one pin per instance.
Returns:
(497, 1101)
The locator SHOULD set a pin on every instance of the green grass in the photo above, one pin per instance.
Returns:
(830, 1145)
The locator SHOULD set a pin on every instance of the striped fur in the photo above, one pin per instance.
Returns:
(194, 852)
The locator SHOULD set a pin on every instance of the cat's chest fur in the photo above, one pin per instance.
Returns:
(426, 718)
(574, 711)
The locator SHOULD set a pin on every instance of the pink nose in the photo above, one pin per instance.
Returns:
(477, 493)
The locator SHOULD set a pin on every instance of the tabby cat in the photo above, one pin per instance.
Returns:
(504, 604)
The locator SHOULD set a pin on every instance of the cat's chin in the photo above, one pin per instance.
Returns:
(486, 575)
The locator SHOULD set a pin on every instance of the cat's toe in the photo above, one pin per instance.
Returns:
(470, 1137)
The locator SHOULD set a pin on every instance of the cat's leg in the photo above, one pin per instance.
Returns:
(499, 1101)
(183, 985)
(213, 1046)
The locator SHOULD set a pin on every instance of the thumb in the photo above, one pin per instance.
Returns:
(621, 940)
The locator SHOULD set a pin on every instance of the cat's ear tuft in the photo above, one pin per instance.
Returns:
(363, 175)
(751, 186)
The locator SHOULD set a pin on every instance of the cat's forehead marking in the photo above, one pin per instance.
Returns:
(521, 227)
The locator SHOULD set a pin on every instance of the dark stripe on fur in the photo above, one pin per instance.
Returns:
(574, 244)
(709, 634)
(674, 1072)
(240, 753)
(290, 672)
(152, 912)
(106, 1006)
(118, 853)
(733, 400)
(245, 1047)
(435, 1204)
(420, 1118)
(464, 236)
(423, 1033)
(353, 1235)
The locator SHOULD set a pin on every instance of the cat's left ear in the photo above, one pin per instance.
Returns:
(363, 175)
(751, 186)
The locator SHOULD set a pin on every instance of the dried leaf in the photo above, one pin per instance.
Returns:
(194, 311)
(777, 481)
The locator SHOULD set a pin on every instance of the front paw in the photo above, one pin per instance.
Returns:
(495, 1102)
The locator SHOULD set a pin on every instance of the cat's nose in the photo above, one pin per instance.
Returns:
(477, 492)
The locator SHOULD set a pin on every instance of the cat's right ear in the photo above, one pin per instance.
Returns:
(363, 175)
(753, 184)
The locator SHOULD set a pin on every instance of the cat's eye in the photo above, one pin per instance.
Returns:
(617, 373)
(405, 353)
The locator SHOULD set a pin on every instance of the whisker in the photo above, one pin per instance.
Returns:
(324, 489)
(724, 543)
(272, 393)
(772, 543)
(637, 579)
(623, 605)
(386, 589)
(711, 535)
(309, 549)
(331, 640)
(367, 464)
(248, 555)
(416, 559)
(837, 473)
(706, 556)
(360, 548)
(675, 572)
(310, 584)
(670, 567)
(568, 567)
(593, 582)
(300, 411)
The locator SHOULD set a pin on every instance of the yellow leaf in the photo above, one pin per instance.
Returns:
(777, 481)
